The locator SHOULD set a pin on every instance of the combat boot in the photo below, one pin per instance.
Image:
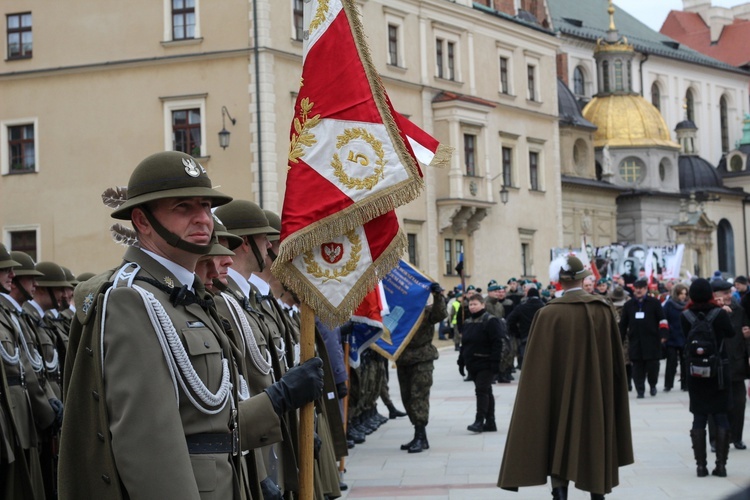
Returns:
(420, 440)
(722, 452)
(477, 425)
(394, 412)
(380, 419)
(489, 425)
(410, 443)
(698, 436)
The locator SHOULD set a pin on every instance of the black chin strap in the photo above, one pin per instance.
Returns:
(53, 300)
(171, 238)
(256, 252)
(272, 254)
(4, 290)
(26, 295)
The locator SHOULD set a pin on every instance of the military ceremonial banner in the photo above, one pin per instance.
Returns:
(350, 166)
(406, 292)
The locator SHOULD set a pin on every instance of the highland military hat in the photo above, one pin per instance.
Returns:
(220, 230)
(243, 218)
(27, 265)
(493, 286)
(573, 269)
(275, 222)
(511, 281)
(169, 174)
(5, 260)
(51, 275)
(69, 276)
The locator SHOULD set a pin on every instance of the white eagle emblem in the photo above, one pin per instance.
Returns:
(193, 169)
(332, 252)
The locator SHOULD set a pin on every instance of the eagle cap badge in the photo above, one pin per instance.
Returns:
(332, 252)
(192, 168)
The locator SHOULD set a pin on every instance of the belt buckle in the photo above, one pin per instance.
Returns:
(235, 434)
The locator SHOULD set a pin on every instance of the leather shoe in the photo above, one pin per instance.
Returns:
(640, 395)
(489, 426)
(739, 445)
(653, 391)
(476, 427)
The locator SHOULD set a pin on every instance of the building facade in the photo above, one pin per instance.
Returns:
(81, 107)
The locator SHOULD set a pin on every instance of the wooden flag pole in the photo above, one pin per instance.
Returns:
(307, 351)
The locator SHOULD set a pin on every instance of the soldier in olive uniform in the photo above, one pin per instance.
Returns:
(34, 408)
(150, 380)
(414, 368)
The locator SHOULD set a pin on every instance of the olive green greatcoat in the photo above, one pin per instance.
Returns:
(47, 338)
(124, 432)
(571, 417)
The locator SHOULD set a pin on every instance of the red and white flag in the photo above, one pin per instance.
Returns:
(350, 165)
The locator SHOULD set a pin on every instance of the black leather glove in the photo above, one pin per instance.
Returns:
(345, 330)
(57, 407)
(342, 390)
(317, 443)
(436, 288)
(301, 385)
(460, 364)
(270, 490)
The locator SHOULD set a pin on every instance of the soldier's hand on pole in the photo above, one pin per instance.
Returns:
(301, 385)
(57, 407)
(270, 490)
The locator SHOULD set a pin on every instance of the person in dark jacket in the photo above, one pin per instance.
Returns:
(642, 320)
(480, 355)
(414, 368)
(709, 396)
(737, 352)
(519, 321)
(676, 340)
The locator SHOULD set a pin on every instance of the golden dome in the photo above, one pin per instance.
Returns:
(627, 121)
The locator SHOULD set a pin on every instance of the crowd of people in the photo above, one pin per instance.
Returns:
(648, 323)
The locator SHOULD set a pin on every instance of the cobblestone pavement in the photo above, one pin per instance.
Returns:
(462, 465)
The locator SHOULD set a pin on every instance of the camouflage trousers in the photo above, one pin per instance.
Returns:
(370, 374)
(509, 348)
(415, 382)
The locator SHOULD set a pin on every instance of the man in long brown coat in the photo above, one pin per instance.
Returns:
(571, 419)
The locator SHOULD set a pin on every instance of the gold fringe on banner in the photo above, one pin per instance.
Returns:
(331, 316)
(442, 157)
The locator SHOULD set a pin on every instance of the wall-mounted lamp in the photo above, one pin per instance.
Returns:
(224, 133)
(504, 195)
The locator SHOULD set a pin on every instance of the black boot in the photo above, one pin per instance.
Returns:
(477, 425)
(393, 412)
(560, 493)
(722, 451)
(410, 443)
(698, 436)
(489, 425)
(420, 440)
(597, 496)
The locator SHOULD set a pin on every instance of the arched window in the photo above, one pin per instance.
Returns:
(725, 240)
(724, 124)
(656, 96)
(605, 76)
(579, 83)
(690, 105)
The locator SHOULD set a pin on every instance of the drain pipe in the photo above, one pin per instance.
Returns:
(640, 69)
(257, 102)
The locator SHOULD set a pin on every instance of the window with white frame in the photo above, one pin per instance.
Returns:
(447, 47)
(508, 159)
(184, 127)
(470, 154)
(298, 19)
(394, 23)
(19, 146)
(531, 83)
(505, 68)
(23, 239)
(536, 164)
(181, 20)
(527, 252)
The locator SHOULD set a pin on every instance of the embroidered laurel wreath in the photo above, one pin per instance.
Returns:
(320, 15)
(302, 135)
(370, 181)
(313, 268)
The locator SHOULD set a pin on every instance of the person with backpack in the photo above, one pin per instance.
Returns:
(706, 325)
(481, 347)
